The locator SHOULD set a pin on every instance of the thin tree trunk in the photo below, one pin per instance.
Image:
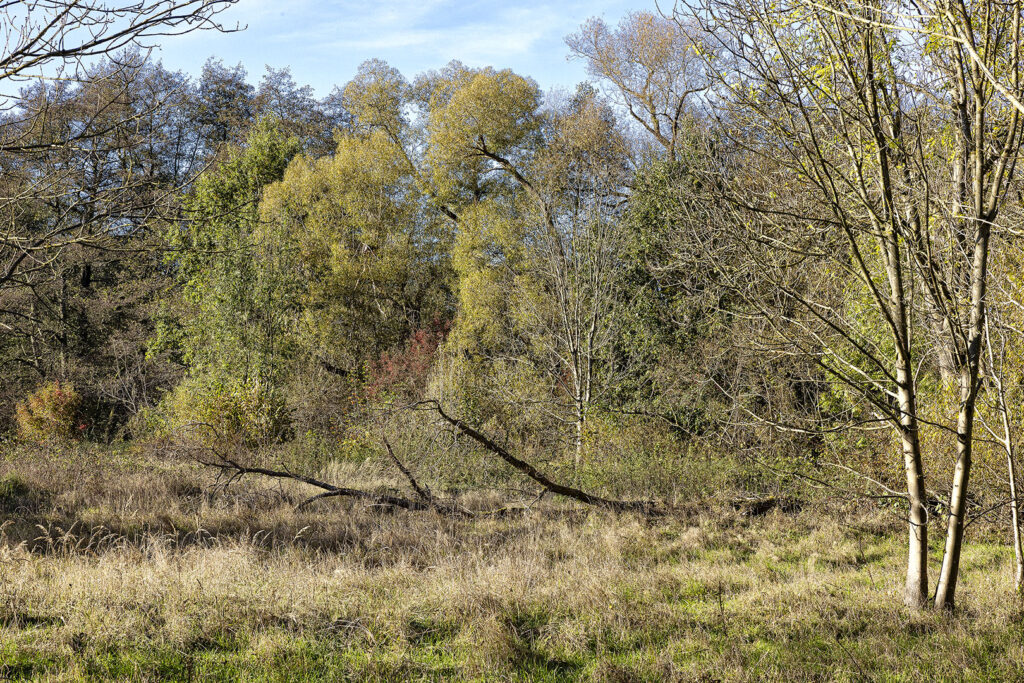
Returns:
(915, 594)
(945, 591)
(1011, 469)
(1018, 545)
(1006, 440)
(579, 443)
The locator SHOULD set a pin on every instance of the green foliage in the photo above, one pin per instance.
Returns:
(238, 288)
(677, 325)
(51, 413)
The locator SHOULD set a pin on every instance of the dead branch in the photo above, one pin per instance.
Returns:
(422, 492)
(237, 470)
(648, 507)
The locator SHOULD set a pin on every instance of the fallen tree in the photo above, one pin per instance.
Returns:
(424, 499)
(644, 506)
(236, 470)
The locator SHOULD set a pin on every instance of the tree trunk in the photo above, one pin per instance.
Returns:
(1018, 548)
(946, 588)
(1011, 468)
(578, 445)
(1007, 441)
(945, 591)
(915, 594)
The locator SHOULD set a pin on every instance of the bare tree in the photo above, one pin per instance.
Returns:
(975, 52)
(580, 173)
(58, 42)
(655, 67)
(974, 67)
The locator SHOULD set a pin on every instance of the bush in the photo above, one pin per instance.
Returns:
(52, 413)
(239, 413)
(404, 372)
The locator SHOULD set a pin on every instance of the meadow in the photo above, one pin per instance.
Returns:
(116, 564)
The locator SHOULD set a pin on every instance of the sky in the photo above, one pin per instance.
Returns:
(324, 41)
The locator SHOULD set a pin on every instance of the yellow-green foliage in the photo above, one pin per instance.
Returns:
(238, 413)
(376, 96)
(626, 453)
(471, 111)
(487, 248)
(368, 251)
(52, 412)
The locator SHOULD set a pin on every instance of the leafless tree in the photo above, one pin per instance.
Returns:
(51, 49)
(863, 226)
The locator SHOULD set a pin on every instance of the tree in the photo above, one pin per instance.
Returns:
(223, 104)
(70, 315)
(54, 41)
(656, 68)
(238, 294)
(673, 333)
(374, 259)
(78, 178)
(681, 262)
(295, 107)
(539, 197)
(850, 186)
(983, 160)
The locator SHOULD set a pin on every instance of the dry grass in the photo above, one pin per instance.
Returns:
(117, 567)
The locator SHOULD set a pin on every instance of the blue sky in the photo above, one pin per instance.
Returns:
(323, 41)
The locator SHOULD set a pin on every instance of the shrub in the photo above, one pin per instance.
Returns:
(52, 413)
(243, 413)
(404, 372)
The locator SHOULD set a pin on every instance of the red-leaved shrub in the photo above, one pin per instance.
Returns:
(405, 372)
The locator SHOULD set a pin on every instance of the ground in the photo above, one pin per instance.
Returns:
(124, 566)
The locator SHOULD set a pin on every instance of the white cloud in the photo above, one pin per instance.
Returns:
(477, 32)
(324, 40)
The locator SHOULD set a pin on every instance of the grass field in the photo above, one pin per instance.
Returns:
(119, 566)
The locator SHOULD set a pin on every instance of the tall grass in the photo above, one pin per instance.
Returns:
(130, 568)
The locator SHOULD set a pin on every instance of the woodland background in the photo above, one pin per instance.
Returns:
(766, 262)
